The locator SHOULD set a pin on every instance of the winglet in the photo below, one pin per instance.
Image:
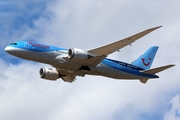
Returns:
(152, 29)
(158, 27)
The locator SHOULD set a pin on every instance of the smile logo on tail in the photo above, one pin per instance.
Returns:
(146, 64)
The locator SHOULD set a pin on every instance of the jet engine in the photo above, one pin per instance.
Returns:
(78, 54)
(49, 73)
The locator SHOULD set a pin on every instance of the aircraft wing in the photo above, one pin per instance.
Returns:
(90, 62)
(110, 48)
(102, 52)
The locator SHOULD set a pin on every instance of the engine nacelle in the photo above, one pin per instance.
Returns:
(49, 73)
(78, 54)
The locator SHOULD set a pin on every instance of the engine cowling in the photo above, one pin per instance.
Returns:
(77, 54)
(49, 73)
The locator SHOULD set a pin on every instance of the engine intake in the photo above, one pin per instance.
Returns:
(49, 73)
(78, 54)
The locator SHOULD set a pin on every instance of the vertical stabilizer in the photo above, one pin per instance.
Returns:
(145, 61)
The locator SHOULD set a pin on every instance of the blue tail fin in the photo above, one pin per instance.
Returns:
(145, 61)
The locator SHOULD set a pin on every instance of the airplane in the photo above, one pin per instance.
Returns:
(69, 63)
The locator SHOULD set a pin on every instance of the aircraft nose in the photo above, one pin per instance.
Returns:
(9, 49)
(6, 49)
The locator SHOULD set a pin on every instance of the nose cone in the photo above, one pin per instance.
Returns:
(9, 49)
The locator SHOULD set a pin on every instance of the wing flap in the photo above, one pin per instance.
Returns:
(110, 48)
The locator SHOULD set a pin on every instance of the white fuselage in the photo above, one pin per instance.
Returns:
(56, 59)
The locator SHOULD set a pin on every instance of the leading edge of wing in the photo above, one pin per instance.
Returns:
(110, 48)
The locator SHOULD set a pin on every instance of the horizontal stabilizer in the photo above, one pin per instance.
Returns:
(156, 70)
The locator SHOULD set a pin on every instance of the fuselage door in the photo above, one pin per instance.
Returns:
(52, 50)
(26, 44)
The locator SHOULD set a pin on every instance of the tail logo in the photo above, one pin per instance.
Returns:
(143, 61)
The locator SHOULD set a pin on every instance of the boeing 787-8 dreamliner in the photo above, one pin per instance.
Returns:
(69, 63)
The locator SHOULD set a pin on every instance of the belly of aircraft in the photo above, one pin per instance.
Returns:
(116, 74)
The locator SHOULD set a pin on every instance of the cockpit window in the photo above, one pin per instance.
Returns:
(13, 44)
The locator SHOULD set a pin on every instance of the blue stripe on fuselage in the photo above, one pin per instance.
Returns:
(125, 64)
(34, 46)
(125, 67)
